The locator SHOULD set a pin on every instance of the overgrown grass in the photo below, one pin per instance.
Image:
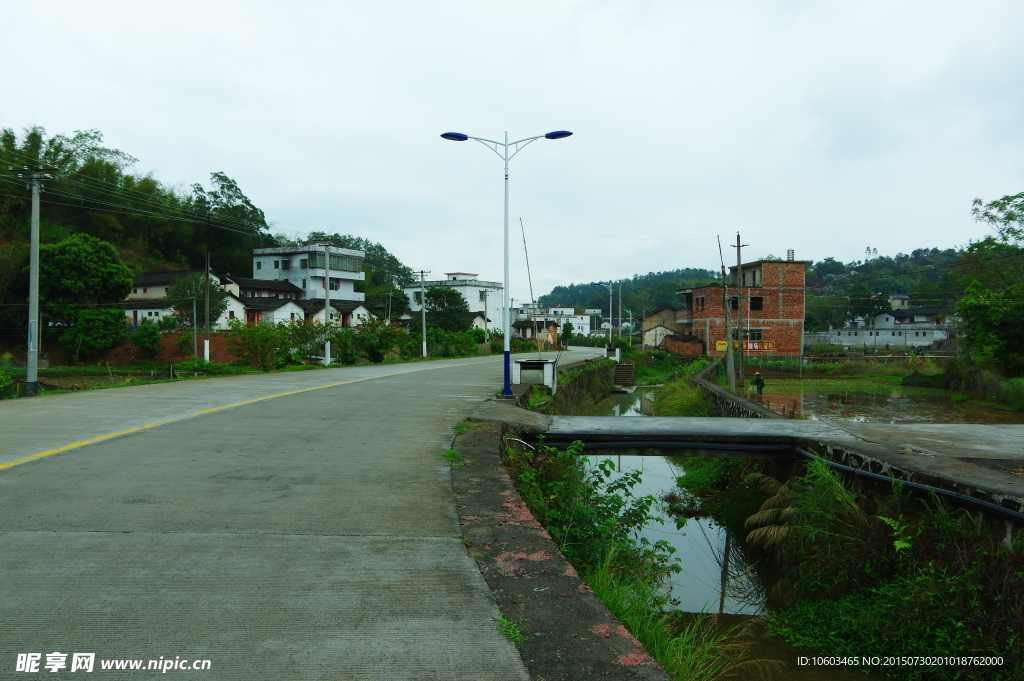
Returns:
(681, 397)
(594, 517)
(894, 575)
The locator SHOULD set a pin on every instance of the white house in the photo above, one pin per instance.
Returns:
(311, 267)
(902, 325)
(531, 321)
(484, 297)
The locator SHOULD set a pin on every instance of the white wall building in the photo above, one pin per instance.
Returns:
(309, 265)
(902, 325)
(481, 296)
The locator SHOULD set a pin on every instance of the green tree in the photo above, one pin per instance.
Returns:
(94, 331)
(377, 338)
(79, 272)
(565, 337)
(865, 305)
(448, 310)
(260, 344)
(147, 338)
(182, 291)
(307, 336)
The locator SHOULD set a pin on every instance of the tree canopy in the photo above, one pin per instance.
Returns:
(182, 291)
(448, 310)
(79, 272)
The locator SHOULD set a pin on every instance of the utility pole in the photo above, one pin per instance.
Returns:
(36, 176)
(486, 296)
(620, 309)
(423, 311)
(206, 343)
(327, 304)
(195, 326)
(726, 304)
(739, 307)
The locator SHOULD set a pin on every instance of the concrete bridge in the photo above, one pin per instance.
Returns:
(973, 462)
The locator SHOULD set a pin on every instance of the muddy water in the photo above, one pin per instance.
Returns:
(868, 401)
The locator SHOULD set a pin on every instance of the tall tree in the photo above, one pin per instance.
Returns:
(183, 291)
(448, 310)
(78, 273)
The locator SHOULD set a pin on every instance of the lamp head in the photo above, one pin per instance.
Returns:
(557, 134)
(455, 136)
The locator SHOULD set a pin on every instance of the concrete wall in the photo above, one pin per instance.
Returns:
(727, 403)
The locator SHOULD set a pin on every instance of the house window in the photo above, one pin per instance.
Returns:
(894, 333)
(303, 263)
(303, 281)
(135, 290)
(277, 264)
(483, 296)
(259, 265)
(735, 302)
(293, 316)
(145, 290)
(756, 302)
(346, 263)
(854, 333)
(749, 334)
(417, 297)
(231, 314)
(286, 264)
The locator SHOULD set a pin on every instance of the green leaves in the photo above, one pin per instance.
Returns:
(78, 272)
(448, 310)
(183, 291)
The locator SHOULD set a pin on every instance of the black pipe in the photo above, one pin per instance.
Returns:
(672, 445)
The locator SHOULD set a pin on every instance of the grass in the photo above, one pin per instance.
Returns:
(454, 457)
(509, 629)
(687, 649)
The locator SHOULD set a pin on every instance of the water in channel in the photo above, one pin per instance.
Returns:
(716, 576)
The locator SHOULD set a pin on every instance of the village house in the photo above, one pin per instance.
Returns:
(903, 325)
(483, 297)
(771, 293)
(312, 267)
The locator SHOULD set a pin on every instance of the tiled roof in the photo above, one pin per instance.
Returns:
(151, 278)
(266, 284)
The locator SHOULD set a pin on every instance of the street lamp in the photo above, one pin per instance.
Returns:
(506, 157)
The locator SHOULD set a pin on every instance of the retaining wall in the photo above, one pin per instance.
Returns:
(727, 403)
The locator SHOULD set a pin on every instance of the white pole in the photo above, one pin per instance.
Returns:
(423, 312)
(507, 391)
(327, 304)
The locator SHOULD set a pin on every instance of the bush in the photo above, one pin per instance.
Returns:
(377, 339)
(200, 366)
(147, 338)
(95, 330)
(260, 344)
(170, 322)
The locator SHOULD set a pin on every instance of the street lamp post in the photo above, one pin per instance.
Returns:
(506, 157)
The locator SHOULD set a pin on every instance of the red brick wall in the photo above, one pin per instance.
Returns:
(685, 348)
(780, 319)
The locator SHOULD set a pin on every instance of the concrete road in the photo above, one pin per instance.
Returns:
(311, 535)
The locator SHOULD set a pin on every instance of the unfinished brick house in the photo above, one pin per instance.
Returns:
(772, 294)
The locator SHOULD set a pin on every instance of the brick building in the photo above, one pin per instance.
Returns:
(772, 295)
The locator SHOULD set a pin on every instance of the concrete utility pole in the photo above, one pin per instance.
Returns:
(36, 176)
(327, 304)
(620, 309)
(730, 368)
(423, 311)
(206, 343)
(739, 308)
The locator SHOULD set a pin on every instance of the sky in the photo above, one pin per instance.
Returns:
(822, 127)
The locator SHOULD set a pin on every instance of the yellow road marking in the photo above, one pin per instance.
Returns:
(107, 436)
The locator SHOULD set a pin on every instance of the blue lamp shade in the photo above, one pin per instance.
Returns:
(556, 135)
(458, 136)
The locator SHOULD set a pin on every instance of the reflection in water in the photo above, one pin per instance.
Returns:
(716, 574)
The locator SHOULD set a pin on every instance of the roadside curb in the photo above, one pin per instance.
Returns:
(568, 633)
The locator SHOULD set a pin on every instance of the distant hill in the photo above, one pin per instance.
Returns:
(642, 292)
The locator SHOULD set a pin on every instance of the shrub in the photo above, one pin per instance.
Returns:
(260, 344)
(95, 330)
(147, 338)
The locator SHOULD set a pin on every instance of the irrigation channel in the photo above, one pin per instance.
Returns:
(717, 575)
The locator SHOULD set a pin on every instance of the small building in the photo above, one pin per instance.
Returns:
(346, 312)
(771, 293)
(903, 326)
(312, 267)
(484, 297)
(149, 285)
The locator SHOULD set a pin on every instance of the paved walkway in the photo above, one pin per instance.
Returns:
(308, 536)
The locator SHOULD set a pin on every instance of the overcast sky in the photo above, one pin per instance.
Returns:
(825, 127)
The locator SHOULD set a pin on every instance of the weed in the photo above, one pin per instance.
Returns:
(460, 428)
(508, 629)
(454, 457)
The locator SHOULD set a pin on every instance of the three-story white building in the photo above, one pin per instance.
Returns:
(313, 266)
